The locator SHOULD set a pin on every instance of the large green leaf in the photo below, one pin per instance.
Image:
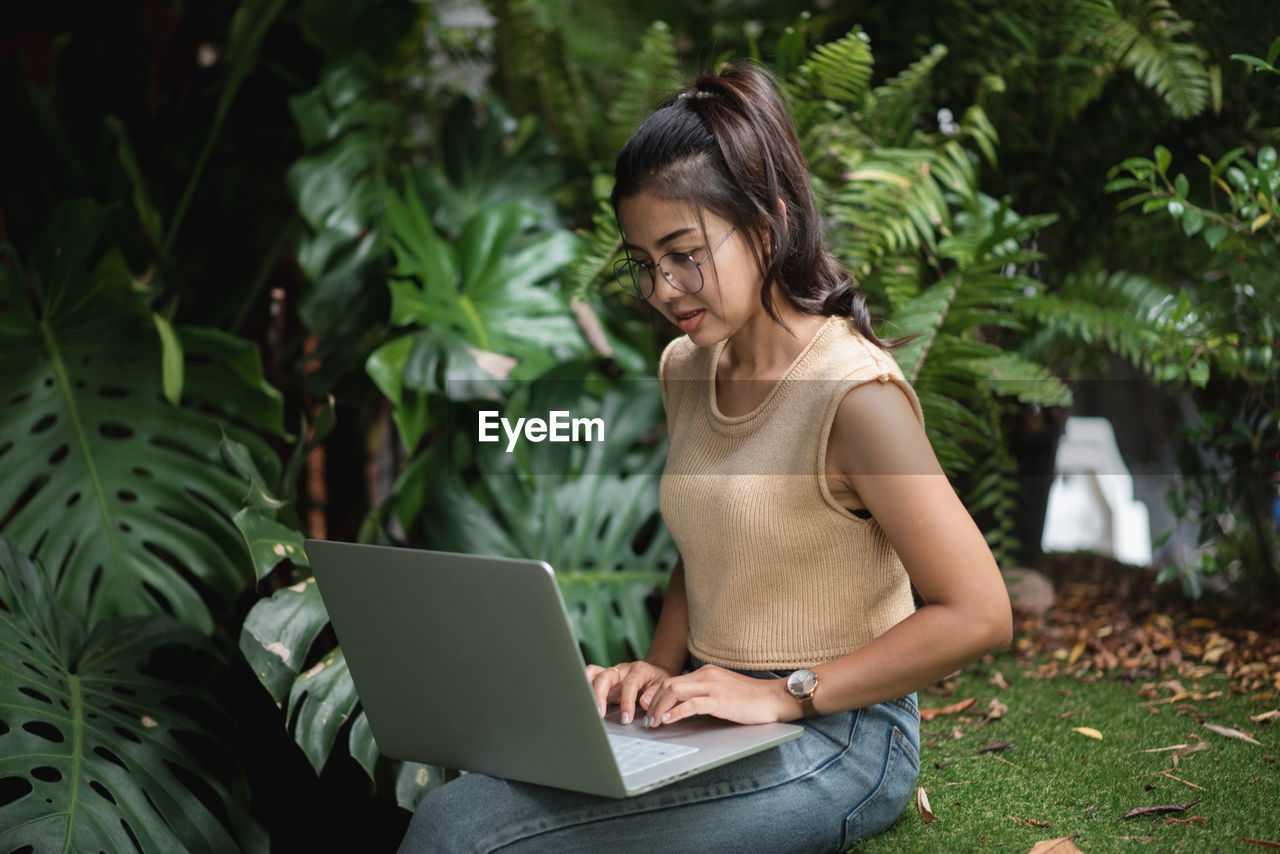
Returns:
(338, 187)
(590, 509)
(119, 493)
(492, 287)
(94, 755)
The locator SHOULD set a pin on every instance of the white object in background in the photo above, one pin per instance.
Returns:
(1091, 503)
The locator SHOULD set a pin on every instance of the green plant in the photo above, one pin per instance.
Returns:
(589, 509)
(95, 752)
(481, 300)
(112, 475)
(280, 635)
(1231, 466)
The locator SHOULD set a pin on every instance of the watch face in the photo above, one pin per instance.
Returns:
(802, 682)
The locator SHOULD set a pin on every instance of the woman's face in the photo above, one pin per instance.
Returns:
(730, 294)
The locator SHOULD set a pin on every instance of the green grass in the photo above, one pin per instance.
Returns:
(985, 802)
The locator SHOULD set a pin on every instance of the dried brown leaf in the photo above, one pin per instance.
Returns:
(1228, 732)
(930, 714)
(996, 710)
(1265, 717)
(995, 747)
(1077, 651)
(998, 680)
(1031, 822)
(1260, 842)
(1138, 812)
(1061, 845)
(922, 804)
(1087, 730)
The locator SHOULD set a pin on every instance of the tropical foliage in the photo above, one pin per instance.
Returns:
(94, 749)
(1231, 466)
(373, 221)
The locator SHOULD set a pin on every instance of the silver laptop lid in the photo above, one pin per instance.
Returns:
(466, 662)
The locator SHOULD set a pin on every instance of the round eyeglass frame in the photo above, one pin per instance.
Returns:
(628, 271)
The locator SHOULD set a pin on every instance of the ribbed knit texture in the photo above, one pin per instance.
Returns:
(777, 573)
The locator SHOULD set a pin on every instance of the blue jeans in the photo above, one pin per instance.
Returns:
(848, 777)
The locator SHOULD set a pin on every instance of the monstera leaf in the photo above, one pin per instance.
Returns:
(120, 493)
(281, 630)
(93, 754)
(588, 508)
(491, 287)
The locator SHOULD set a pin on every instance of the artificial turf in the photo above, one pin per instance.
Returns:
(1054, 781)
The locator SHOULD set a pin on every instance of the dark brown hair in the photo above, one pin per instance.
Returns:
(726, 144)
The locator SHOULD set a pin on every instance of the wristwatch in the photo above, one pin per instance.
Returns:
(801, 684)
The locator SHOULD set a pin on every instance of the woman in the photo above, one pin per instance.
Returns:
(805, 501)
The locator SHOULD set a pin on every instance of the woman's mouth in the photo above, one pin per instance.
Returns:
(688, 321)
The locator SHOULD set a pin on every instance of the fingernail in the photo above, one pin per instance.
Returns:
(648, 721)
(626, 718)
(666, 716)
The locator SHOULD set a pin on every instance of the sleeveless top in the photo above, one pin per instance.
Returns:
(778, 575)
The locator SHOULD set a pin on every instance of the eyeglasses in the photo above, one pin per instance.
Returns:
(680, 270)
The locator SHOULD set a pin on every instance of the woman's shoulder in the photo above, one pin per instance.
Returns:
(851, 360)
(847, 354)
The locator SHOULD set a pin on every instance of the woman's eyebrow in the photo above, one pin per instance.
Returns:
(679, 232)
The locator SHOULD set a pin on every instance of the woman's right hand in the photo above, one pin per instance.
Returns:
(623, 683)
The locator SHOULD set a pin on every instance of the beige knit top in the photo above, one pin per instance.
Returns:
(777, 573)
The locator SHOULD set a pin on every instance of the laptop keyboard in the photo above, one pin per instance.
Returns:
(637, 754)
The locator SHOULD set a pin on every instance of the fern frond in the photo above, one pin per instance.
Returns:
(654, 74)
(890, 115)
(839, 71)
(595, 265)
(1149, 326)
(1010, 375)
(1145, 36)
(923, 317)
(892, 202)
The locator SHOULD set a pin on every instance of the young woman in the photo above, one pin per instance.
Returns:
(805, 501)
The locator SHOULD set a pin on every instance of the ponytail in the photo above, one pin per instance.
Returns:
(726, 143)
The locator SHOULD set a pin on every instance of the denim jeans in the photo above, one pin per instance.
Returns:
(848, 777)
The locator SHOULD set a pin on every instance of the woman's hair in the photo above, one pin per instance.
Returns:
(726, 144)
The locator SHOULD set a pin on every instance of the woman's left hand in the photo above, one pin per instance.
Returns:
(721, 693)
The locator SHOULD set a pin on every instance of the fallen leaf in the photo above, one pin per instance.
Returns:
(1190, 749)
(998, 680)
(1265, 717)
(922, 804)
(930, 714)
(996, 710)
(1087, 730)
(1061, 845)
(1030, 822)
(1261, 842)
(1161, 749)
(1138, 812)
(995, 747)
(1228, 732)
(1077, 651)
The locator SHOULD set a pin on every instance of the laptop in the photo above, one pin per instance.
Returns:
(469, 662)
